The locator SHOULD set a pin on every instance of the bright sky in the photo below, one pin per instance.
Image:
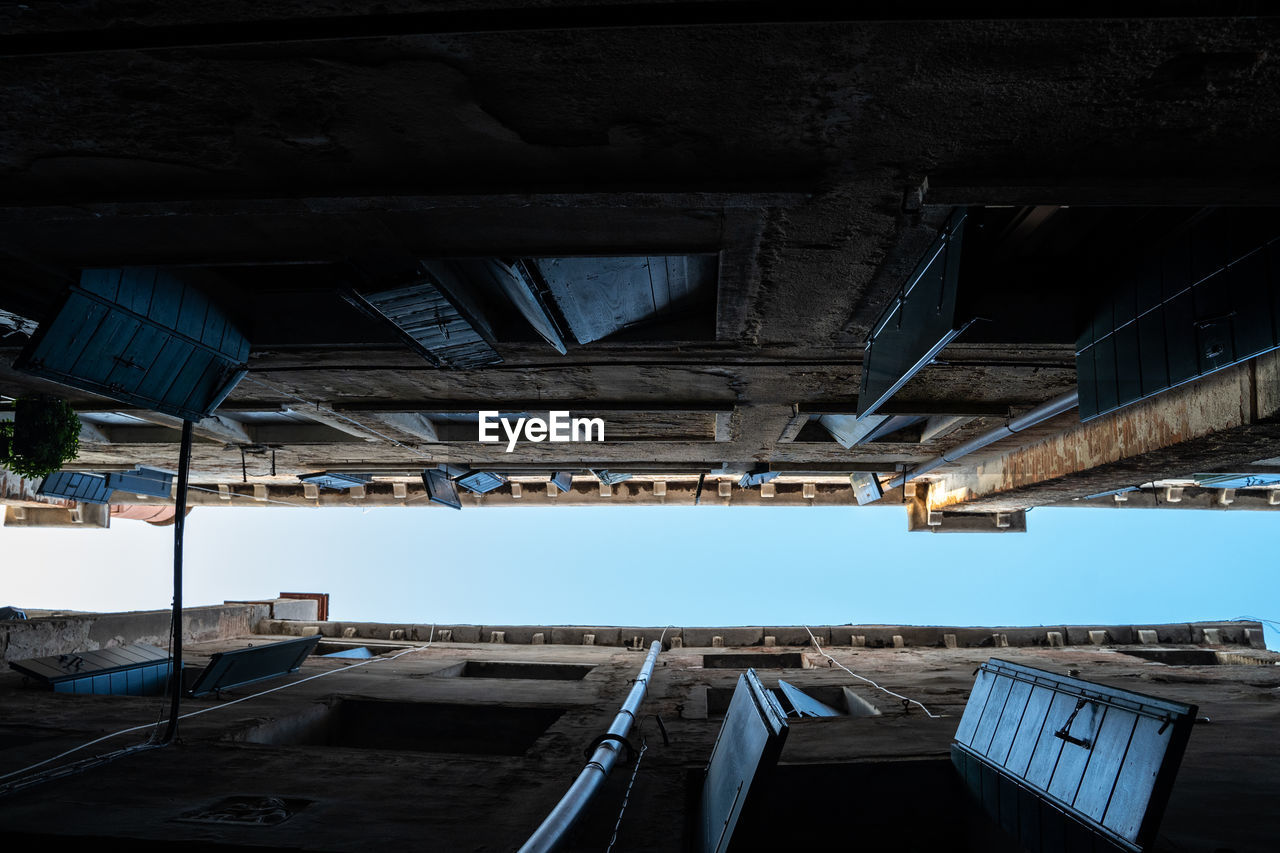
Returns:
(707, 565)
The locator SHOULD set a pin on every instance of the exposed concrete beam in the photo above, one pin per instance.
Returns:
(1190, 498)
(578, 407)
(948, 191)
(953, 408)
(215, 427)
(326, 415)
(724, 426)
(941, 425)
(585, 493)
(94, 433)
(414, 424)
(1229, 418)
(793, 427)
(923, 519)
(286, 434)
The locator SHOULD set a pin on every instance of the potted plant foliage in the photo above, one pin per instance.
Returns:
(44, 433)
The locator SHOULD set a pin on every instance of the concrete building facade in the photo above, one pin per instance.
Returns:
(788, 174)
(463, 737)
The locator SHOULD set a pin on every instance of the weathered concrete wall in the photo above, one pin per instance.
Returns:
(468, 801)
(1226, 419)
(55, 635)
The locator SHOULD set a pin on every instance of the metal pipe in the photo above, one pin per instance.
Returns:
(555, 828)
(1038, 415)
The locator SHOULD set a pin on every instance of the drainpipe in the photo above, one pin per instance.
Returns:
(1038, 415)
(553, 831)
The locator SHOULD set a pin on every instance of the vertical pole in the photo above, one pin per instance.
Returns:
(179, 523)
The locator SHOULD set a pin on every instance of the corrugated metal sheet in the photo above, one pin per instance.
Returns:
(77, 486)
(747, 747)
(137, 669)
(917, 324)
(431, 320)
(1208, 299)
(1064, 764)
(246, 666)
(600, 296)
(142, 336)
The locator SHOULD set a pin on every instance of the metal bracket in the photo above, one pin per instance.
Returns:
(628, 751)
(1064, 732)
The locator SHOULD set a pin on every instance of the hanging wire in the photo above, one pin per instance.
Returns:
(818, 646)
(626, 798)
(1273, 623)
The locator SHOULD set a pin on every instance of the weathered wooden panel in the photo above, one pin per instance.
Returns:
(918, 322)
(600, 296)
(142, 481)
(56, 669)
(141, 336)
(257, 663)
(431, 319)
(1202, 302)
(748, 745)
(83, 487)
(1065, 764)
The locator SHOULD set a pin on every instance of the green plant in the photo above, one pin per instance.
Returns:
(44, 433)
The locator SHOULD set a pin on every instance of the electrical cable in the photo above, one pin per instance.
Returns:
(626, 797)
(818, 646)
(1271, 623)
(55, 772)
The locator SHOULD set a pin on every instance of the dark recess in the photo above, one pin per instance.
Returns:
(423, 727)
(508, 669)
(758, 660)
